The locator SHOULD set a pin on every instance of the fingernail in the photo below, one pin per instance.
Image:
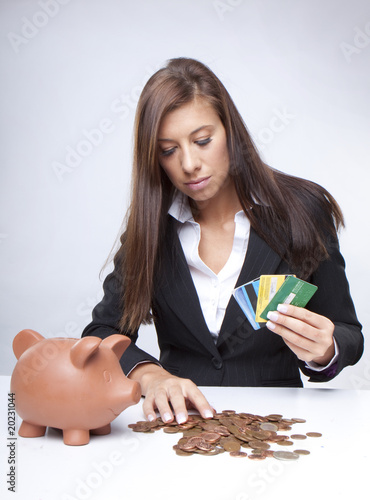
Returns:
(151, 418)
(207, 414)
(181, 418)
(273, 315)
(270, 326)
(167, 417)
(283, 308)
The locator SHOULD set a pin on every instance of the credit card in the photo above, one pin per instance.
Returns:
(247, 296)
(293, 291)
(269, 285)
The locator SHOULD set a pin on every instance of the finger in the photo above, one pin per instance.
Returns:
(300, 313)
(288, 335)
(285, 325)
(157, 400)
(301, 354)
(177, 400)
(312, 326)
(149, 408)
(181, 396)
(198, 401)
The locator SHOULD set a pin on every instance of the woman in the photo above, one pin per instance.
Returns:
(208, 215)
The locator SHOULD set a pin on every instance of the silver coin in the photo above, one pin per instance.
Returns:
(285, 455)
(267, 426)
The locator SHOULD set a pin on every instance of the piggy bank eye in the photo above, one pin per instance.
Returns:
(107, 376)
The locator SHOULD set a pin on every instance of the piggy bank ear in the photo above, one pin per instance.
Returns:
(83, 349)
(24, 340)
(118, 343)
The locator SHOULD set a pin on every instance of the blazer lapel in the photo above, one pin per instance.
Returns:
(259, 259)
(180, 294)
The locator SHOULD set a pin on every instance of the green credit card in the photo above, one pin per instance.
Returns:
(293, 291)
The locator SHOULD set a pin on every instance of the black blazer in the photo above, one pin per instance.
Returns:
(241, 356)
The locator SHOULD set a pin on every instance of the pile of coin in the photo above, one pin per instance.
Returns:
(234, 433)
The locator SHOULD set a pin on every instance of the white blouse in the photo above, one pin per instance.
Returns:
(214, 290)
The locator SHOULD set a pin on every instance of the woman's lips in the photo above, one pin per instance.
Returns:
(198, 183)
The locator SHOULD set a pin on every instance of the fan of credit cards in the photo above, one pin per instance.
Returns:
(263, 294)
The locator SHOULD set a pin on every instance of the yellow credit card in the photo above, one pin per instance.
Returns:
(269, 285)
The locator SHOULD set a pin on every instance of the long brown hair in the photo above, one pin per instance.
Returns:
(294, 216)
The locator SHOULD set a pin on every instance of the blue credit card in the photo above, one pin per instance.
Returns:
(247, 296)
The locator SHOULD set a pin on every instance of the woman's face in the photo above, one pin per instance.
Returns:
(193, 151)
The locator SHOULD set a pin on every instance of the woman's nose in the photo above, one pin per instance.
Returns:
(190, 161)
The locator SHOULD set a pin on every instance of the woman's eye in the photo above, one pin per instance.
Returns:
(167, 152)
(203, 142)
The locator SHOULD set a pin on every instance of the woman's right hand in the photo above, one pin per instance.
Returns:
(168, 394)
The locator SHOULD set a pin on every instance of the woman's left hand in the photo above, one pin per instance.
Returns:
(307, 334)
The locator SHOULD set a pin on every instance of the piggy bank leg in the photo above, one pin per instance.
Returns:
(74, 437)
(101, 431)
(31, 430)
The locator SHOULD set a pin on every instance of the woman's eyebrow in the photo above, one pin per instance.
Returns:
(191, 133)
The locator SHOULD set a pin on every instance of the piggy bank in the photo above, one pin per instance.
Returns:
(76, 385)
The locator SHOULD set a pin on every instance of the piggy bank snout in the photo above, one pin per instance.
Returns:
(136, 392)
(129, 393)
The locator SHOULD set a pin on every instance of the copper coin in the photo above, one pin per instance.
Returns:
(222, 430)
(191, 432)
(142, 426)
(238, 454)
(170, 430)
(259, 445)
(302, 452)
(208, 426)
(242, 437)
(298, 420)
(211, 437)
(313, 434)
(204, 446)
(233, 428)
(261, 434)
(274, 417)
(187, 446)
(262, 453)
(256, 457)
(182, 453)
(298, 436)
(247, 419)
(285, 443)
(186, 426)
(194, 440)
(246, 445)
(278, 437)
(248, 433)
(230, 445)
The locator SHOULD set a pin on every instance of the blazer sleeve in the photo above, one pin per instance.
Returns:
(333, 300)
(105, 321)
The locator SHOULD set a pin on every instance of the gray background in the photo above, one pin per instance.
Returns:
(72, 71)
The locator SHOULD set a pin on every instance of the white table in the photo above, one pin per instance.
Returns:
(127, 465)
